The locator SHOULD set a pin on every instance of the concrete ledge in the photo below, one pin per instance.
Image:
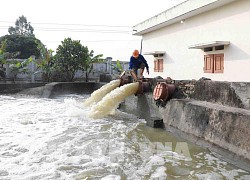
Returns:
(53, 89)
(242, 89)
(14, 88)
(217, 92)
(50, 90)
(224, 126)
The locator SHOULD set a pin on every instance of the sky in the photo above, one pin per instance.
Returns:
(105, 26)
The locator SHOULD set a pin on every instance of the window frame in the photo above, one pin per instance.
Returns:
(214, 63)
(158, 65)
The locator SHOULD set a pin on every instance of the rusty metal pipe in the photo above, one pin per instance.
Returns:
(144, 86)
(163, 91)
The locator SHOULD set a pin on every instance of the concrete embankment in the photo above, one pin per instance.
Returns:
(216, 113)
(6, 88)
(53, 89)
(50, 90)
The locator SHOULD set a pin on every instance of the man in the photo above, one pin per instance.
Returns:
(137, 61)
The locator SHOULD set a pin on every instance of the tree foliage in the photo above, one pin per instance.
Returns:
(20, 46)
(2, 59)
(22, 27)
(69, 57)
(17, 67)
(72, 56)
(21, 42)
(3, 52)
(89, 61)
(46, 63)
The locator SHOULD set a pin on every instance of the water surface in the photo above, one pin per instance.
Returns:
(55, 139)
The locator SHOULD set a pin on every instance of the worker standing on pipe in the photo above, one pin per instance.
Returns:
(137, 61)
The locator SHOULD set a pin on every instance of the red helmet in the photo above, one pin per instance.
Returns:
(135, 53)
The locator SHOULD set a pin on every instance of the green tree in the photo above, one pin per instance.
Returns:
(21, 43)
(89, 61)
(22, 27)
(70, 56)
(2, 60)
(20, 46)
(118, 67)
(17, 67)
(3, 52)
(46, 63)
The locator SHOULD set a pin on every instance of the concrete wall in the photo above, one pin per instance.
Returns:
(217, 116)
(53, 89)
(224, 126)
(14, 88)
(50, 90)
(227, 23)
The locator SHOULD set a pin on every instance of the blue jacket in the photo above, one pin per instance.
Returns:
(135, 63)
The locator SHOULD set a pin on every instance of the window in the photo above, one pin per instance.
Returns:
(158, 55)
(208, 49)
(158, 65)
(158, 59)
(219, 47)
(214, 63)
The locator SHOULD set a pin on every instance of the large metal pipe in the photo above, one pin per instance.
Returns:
(125, 79)
(163, 91)
(144, 85)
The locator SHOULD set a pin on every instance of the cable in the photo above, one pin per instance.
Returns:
(83, 30)
(65, 24)
(78, 30)
(97, 41)
(61, 24)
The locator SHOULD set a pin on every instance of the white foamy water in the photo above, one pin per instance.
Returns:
(97, 95)
(112, 100)
(55, 139)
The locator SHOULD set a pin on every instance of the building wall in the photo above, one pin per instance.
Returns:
(33, 74)
(227, 23)
(124, 64)
(103, 68)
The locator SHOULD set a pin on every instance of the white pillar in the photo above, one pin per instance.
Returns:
(33, 69)
(109, 67)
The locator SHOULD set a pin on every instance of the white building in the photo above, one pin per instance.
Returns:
(199, 38)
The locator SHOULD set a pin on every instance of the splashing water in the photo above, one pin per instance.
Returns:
(112, 100)
(42, 139)
(97, 95)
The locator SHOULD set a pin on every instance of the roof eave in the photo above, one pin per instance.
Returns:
(180, 12)
(209, 44)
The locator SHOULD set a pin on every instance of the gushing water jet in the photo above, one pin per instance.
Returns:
(112, 100)
(112, 94)
(97, 95)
